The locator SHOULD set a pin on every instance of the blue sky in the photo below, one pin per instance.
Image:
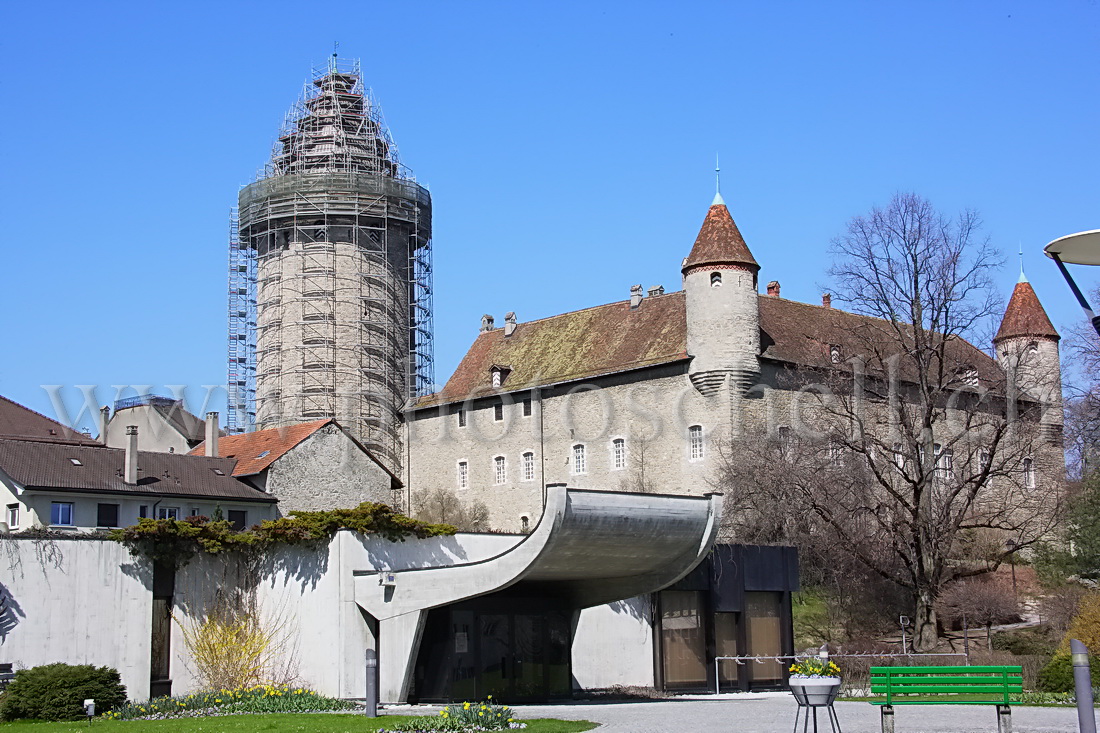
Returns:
(569, 149)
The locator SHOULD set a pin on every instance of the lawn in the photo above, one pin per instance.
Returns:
(324, 723)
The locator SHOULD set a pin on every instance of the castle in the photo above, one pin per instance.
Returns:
(640, 395)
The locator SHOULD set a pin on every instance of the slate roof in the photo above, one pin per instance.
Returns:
(614, 338)
(17, 421)
(719, 242)
(256, 451)
(1025, 316)
(49, 466)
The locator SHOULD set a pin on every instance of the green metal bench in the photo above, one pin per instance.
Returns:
(947, 686)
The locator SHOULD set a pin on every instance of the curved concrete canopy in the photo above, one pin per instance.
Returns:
(589, 548)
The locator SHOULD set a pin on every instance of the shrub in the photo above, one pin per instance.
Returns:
(1085, 625)
(58, 692)
(1025, 642)
(1057, 675)
(258, 699)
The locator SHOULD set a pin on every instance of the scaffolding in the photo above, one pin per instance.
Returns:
(333, 245)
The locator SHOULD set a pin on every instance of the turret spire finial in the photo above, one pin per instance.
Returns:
(1023, 277)
(718, 200)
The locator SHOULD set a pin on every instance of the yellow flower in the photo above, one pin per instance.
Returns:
(465, 706)
(481, 713)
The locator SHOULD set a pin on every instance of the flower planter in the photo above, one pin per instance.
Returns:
(815, 691)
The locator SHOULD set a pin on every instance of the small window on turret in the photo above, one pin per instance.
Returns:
(1032, 348)
(716, 279)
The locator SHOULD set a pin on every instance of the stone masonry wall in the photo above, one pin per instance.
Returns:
(326, 471)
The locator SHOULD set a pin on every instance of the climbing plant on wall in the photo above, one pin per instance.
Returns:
(175, 541)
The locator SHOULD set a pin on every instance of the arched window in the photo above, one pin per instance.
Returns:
(716, 279)
(695, 442)
(528, 466)
(500, 471)
(580, 463)
(618, 454)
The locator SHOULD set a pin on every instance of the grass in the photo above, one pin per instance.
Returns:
(318, 723)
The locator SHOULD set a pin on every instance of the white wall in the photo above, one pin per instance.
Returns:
(79, 602)
(90, 602)
(613, 645)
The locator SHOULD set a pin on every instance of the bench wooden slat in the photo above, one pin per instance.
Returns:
(947, 670)
(945, 702)
(920, 689)
(922, 679)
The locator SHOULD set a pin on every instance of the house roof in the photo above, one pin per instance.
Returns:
(1025, 316)
(256, 451)
(719, 242)
(189, 426)
(615, 338)
(17, 421)
(577, 345)
(98, 469)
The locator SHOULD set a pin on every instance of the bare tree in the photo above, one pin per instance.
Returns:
(906, 443)
(640, 457)
(443, 507)
(981, 602)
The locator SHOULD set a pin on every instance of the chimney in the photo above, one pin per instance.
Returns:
(656, 290)
(773, 288)
(635, 296)
(131, 468)
(212, 434)
(104, 418)
(827, 300)
(486, 323)
(509, 323)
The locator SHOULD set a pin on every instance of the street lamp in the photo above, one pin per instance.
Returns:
(1082, 248)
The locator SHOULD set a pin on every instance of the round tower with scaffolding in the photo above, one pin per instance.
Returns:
(330, 274)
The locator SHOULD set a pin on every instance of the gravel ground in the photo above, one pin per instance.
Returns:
(773, 712)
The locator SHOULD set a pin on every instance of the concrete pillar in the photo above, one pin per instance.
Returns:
(398, 643)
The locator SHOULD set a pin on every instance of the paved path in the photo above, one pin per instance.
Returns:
(773, 712)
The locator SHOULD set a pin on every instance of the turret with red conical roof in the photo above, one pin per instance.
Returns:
(723, 315)
(1027, 349)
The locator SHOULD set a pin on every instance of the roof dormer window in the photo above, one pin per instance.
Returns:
(499, 374)
(834, 353)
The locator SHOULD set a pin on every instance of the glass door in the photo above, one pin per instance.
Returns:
(764, 614)
(683, 639)
(496, 656)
